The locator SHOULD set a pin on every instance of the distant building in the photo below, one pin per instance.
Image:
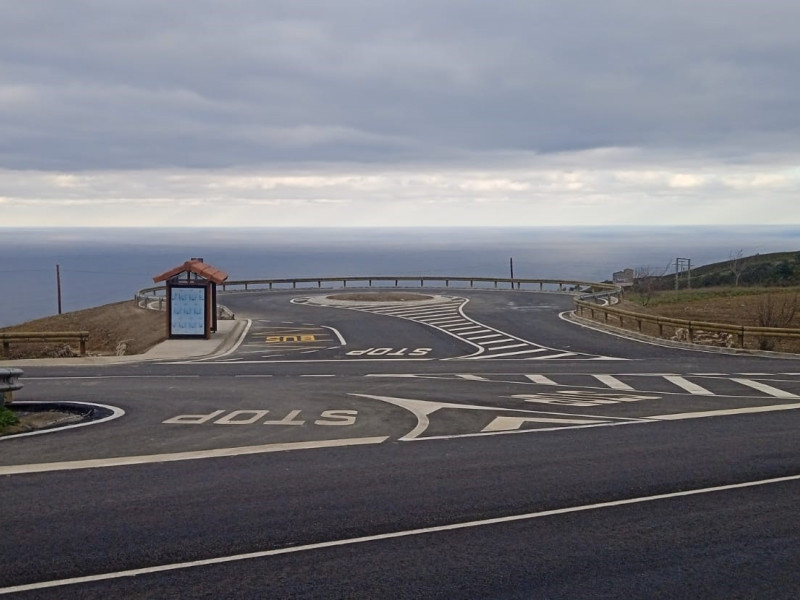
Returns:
(623, 278)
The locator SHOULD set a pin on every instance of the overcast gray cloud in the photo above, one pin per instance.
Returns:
(680, 101)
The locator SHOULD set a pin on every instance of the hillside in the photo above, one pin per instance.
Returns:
(775, 269)
(108, 326)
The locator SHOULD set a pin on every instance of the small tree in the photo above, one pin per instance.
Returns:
(647, 281)
(772, 312)
(736, 265)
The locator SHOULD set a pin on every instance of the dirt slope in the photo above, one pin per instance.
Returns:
(108, 326)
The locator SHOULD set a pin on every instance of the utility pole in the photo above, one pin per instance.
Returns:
(511, 266)
(58, 284)
(681, 265)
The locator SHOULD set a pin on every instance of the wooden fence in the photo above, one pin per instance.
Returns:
(38, 337)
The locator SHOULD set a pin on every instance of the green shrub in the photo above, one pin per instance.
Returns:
(7, 417)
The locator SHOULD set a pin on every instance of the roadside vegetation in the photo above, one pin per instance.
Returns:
(758, 291)
(118, 328)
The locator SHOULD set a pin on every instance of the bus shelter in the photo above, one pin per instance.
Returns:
(192, 298)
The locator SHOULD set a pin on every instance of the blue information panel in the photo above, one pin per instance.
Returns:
(188, 306)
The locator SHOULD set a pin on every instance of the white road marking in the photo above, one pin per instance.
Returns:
(689, 386)
(767, 389)
(510, 346)
(177, 456)
(722, 413)
(612, 382)
(471, 377)
(514, 423)
(541, 379)
(395, 535)
(519, 352)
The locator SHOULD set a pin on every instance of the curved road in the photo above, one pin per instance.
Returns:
(475, 445)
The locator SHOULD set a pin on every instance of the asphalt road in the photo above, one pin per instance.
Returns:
(474, 446)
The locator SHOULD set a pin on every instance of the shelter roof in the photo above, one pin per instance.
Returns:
(196, 266)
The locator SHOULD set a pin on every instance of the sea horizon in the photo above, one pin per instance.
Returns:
(103, 265)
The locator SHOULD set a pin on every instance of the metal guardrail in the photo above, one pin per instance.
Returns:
(155, 294)
(9, 383)
(20, 337)
(742, 332)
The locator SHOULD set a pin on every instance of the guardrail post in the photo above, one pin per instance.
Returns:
(741, 338)
(8, 384)
(690, 329)
(83, 345)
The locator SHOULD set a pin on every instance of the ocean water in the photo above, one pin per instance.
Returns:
(99, 266)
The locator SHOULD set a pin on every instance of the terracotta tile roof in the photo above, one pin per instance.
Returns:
(198, 267)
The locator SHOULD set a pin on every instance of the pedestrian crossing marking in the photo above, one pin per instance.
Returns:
(446, 315)
(541, 379)
(612, 382)
(767, 389)
(689, 386)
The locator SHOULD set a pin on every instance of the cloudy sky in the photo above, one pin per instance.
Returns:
(399, 112)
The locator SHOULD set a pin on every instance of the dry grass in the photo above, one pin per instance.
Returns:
(108, 326)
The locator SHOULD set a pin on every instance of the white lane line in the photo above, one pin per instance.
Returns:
(482, 337)
(337, 334)
(500, 341)
(767, 389)
(514, 423)
(541, 379)
(612, 382)
(687, 385)
(510, 346)
(177, 456)
(395, 535)
(443, 322)
(419, 314)
(470, 327)
(723, 413)
(518, 353)
(471, 377)
(236, 344)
